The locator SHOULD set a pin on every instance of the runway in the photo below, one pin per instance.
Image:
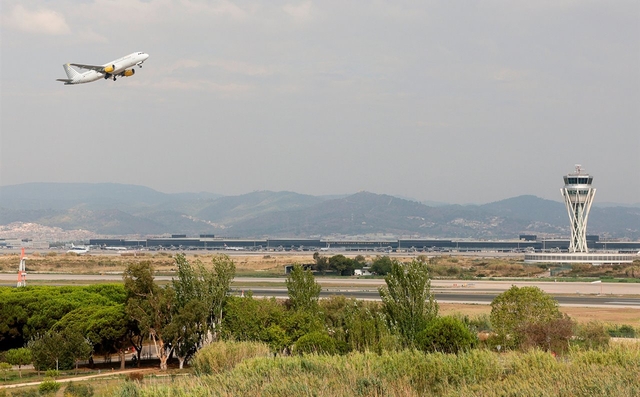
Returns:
(466, 298)
(621, 295)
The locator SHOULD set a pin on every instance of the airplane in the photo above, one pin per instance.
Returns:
(78, 249)
(232, 248)
(113, 69)
(116, 248)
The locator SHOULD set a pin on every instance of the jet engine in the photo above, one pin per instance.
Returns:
(128, 72)
(109, 69)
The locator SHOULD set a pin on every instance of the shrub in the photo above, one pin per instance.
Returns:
(223, 356)
(5, 368)
(52, 373)
(549, 336)
(447, 335)
(623, 331)
(78, 390)
(518, 308)
(315, 342)
(25, 393)
(593, 335)
(135, 377)
(128, 389)
(48, 387)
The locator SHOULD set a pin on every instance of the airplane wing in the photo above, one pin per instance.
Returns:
(65, 80)
(90, 67)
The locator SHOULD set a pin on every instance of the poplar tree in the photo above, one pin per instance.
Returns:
(407, 299)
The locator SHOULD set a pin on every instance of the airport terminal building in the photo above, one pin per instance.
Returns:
(578, 194)
(528, 244)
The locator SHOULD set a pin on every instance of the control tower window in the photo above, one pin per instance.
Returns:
(573, 181)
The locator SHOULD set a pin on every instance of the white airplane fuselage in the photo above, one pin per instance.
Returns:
(120, 67)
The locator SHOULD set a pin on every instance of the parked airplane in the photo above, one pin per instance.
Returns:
(232, 248)
(116, 248)
(113, 69)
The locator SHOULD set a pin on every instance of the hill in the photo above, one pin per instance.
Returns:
(125, 210)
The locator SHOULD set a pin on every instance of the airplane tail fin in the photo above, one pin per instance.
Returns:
(71, 72)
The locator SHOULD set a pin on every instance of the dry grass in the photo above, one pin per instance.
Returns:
(269, 263)
(607, 315)
(162, 261)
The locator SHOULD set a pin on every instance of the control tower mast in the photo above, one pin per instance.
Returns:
(578, 197)
(22, 271)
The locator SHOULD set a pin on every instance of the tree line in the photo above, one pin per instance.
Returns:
(56, 327)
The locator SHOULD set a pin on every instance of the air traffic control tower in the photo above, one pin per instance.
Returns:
(578, 195)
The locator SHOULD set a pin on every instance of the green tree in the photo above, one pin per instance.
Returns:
(408, 302)
(381, 265)
(303, 289)
(150, 307)
(360, 261)
(446, 335)
(28, 312)
(219, 283)
(19, 357)
(48, 351)
(106, 328)
(59, 350)
(191, 309)
(322, 263)
(518, 308)
(5, 368)
(342, 264)
(78, 347)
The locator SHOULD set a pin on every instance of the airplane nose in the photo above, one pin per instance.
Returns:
(146, 56)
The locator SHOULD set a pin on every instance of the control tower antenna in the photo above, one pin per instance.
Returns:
(578, 196)
(22, 271)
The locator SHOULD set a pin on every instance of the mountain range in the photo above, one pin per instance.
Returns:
(110, 209)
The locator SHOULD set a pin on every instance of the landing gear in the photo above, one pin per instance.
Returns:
(114, 78)
(106, 76)
(140, 66)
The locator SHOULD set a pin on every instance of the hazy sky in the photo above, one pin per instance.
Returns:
(454, 101)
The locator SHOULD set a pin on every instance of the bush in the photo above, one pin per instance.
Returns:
(518, 308)
(128, 389)
(135, 377)
(78, 390)
(592, 335)
(223, 356)
(623, 331)
(25, 393)
(549, 336)
(48, 387)
(446, 335)
(52, 373)
(315, 342)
